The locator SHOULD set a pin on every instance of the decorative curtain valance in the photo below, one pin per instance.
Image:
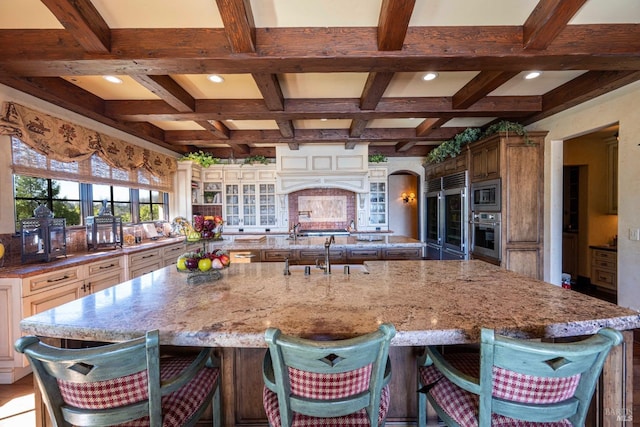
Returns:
(68, 142)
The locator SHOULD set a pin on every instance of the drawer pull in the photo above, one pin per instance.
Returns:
(148, 256)
(58, 279)
(102, 267)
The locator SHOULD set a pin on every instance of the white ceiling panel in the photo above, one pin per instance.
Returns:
(412, 85)
(478, 12)
(315, 13)
(549, 80)
(329, 85)
(234, 86)
(159, 13)
(97, 85)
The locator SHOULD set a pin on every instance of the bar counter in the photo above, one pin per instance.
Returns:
(429, 302)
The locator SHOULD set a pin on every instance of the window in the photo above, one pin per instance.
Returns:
(152, 205)
(61, 197)
(118, 200)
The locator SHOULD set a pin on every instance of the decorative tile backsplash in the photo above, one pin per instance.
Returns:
(322, 208)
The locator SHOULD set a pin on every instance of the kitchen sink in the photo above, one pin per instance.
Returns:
(335, 269)
(323, 232)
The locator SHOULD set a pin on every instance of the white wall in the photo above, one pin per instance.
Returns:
(623, 106)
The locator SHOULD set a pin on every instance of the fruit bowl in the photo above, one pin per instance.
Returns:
(203, 266)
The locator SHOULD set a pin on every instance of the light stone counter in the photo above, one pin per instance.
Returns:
(363, 240)
(429, 302)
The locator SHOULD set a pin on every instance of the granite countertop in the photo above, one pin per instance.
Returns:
(429, 302)
(229, 242)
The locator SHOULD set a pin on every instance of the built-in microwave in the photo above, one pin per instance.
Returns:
(485, 196)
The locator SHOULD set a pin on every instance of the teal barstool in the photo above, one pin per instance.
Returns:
(327, 383)
(125, 383)
(514, 382)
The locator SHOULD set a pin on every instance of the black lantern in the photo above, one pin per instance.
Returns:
(43, 236)
(104, 230)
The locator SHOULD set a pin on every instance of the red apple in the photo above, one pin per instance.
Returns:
(224, 259)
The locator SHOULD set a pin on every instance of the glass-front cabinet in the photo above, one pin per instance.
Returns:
(377, 197)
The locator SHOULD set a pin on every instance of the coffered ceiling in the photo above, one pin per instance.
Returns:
(316, 71)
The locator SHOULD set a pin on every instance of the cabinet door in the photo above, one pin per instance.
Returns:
(249, 205)
(377, 203)
(46, 300)
(267, 207)
(232, 204)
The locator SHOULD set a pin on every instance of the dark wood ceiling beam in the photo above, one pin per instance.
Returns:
(342, 108)
(479, 87)
(374, 88)
(547, 21)
(69, 96)
(581, 89)
(405, 146)
(357, 127)
(190, 137)
(81, 19)
(393, 23)
(286, 128)
(239, 24)
(168, 90)
(290, 50)
(429, 125)
(270, 89)
(217, 128)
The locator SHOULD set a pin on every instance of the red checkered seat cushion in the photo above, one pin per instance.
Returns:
(326, 386)
(462, 405)
(177, 407)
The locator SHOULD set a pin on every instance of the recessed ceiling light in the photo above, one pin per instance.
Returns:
(429, 76)
(215, 78)
(229, 120)
(532, 75)
(323, 120)
(112, 79)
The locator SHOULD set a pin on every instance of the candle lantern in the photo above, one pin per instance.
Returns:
(104, 231)
(43, 236)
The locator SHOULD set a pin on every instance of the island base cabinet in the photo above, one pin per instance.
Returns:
(242, 386)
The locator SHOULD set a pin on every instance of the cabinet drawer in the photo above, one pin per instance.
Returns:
(363, 254)
(402, 253)
(106, 266)
(276, 255)
(604, 278)
(604, 264)
(173, 251)
(50, 280)
(52, 298)
(605, 255)
(212, 175)
(311, 255)
(144, 257)
(138, 271)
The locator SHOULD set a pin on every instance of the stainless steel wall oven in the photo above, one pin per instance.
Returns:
(485, 234)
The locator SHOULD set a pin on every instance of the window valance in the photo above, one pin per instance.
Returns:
(63, 141)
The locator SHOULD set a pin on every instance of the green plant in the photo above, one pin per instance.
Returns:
(256, 159)
(200, 157)
(377, 158)
(506, 126)
(453, 146)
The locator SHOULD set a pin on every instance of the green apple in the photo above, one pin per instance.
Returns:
(204, 264)
(181, 264)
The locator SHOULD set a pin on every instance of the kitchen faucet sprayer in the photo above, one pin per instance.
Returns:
(327, 245)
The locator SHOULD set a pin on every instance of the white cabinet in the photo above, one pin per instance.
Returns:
(187, 189)
(144, 262)
(378, 197)
(250, 197)
(104, 274)
(212, 186)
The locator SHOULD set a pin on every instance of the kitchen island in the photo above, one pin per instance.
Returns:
(429, 302)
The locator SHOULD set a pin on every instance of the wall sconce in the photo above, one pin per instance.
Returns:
(408, 197)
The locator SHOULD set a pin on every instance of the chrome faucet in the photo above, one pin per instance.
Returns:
(327, 245)
(296, 228)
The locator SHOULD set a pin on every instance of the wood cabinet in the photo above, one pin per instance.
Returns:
(309, 256)
(452, 165)
(570, 254)
(519, 163)
(276, 255)
(171, 253)
(359, 255)
(401, 253)
(485, 160)
(604, 268)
